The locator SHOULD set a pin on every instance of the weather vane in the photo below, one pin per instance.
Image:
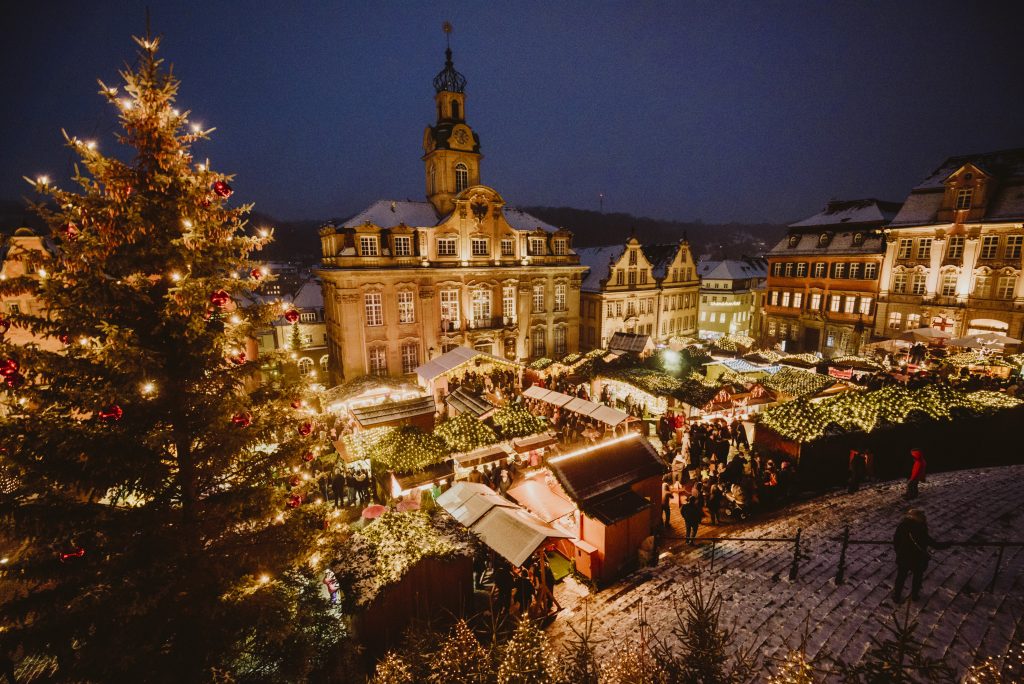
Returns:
(447, 28)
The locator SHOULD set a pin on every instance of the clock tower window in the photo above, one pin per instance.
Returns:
(461, 177)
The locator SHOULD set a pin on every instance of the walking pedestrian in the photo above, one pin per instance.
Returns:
(691, 516)
(666, 504)
(917, 474)
(715, 497)
(911, 542)
(857, 467)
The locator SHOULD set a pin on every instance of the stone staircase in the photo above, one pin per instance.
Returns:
(958, 615)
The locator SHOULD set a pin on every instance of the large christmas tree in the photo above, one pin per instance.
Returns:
(154, 491)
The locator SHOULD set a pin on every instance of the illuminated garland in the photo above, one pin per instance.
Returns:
(805, 421)
(803, 360)
(797, 383)
(541, 363)
(733, 343)
(857, 362)
(973, 358)
(382, 552)
(515, 421)
(408, 450)
(359, 445)
(763, 356)
(465, 433)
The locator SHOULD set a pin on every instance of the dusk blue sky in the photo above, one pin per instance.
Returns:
(720, 111)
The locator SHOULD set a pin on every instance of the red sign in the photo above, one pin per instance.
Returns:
(841, 373)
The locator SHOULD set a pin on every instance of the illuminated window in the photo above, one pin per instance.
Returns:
(374, 309)
(479, 247)
(815, 302)
(895, 320)
(305, 365)
(834, 303)
(798, 299)
(955, 248)
(865, 305)
(481, 301)
(949, 284)
(924, 248)
(446, 247)
(450, 309)
(913, 321)
(560, 289)
(378, 361)
(1004, 288)
(368, 245)
(785, 299)
(981, 284)
(964, 196)
(849, 304)
(989, 246)
(410, 356)
(508, 302)
(508, 247)
(406, 308)
(403, 246)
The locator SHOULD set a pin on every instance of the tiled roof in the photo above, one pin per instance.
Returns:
(630, 342)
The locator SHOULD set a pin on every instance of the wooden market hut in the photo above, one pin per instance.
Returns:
(617, 487)
(434, 374)
(631, 343)
(418, 411)
(462, 400)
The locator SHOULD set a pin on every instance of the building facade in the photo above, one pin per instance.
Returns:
(305, 340)
(823, 279)
(16, 257)
(644, 289)
(405, 281)
(953, 253)
(728, 293)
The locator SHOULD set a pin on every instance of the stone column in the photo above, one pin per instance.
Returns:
(931, 286)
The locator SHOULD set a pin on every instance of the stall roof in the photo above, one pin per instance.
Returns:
(389, 411)
(465, 401)
(581, 406)
(630, 342)
(438, 471)
(549, 396)
(459, 492)
(541, 501)
(514, 533)
(449, 361)
(477, 506)
(524, 444)
(591, 473)
(486, 454)
(536, 392)
(618, 506)
(609, 416)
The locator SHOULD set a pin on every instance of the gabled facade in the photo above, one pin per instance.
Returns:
(823, 279)
(650, 290)
(405, 281)
(728, 294)
(15, 258)
(953, 253)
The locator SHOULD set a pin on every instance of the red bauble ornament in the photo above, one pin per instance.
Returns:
(77, 553)
(296, 403)
(111, 414)
(308, 456)
(9, 367)
(239, 359)
(69, 230)
(242, 420)
(5, 325)
(295, 481)
(220, 298)
(291, 315)
(222, 189)
(294, 501)
(64, 338)
(305, 428)
(255, 274)
(14, 380)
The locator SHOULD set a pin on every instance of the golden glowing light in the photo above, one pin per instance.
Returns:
(175, 276)
(264, 579)
(148, 388)
(43, 180)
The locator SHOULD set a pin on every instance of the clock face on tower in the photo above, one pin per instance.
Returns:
(461, 136)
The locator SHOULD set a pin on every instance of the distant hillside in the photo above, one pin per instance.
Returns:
(717, 240)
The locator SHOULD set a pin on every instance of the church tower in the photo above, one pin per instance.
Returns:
(451, 150)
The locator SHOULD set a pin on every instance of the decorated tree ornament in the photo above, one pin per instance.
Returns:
(295, 481)
(242, 420)
(69, 231)
(305, 428)
(256, 273)
(9, 367)
(220, 299)
(222, 189)
(308, 456)
(296, 403)
(294, 501)
(5, 325)
(14, 380)
(64, 339)
(239, 359)
(77, 553)
(111, 414)
(291, 315)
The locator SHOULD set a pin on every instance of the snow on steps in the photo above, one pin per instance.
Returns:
(957, 614)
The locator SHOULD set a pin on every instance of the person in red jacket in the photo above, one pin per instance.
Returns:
(917, 474)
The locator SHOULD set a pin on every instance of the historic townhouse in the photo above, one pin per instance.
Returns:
(729, 290)
(823, 278)
(405, 281)
(16, 254)
(953, 253)
(647, 289)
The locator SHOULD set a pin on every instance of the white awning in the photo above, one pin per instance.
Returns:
(515, 533)
(449, 361)
(609, 416)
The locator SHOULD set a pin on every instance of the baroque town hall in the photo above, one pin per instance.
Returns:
(405, 281)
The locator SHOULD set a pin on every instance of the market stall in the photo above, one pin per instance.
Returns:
(418, 411)
(465, 401)
(434, 375)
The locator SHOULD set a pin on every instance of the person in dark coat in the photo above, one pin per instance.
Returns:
(911, 542)
(666, 506)
(917, 473)
(858, 467)
(715, 497)
(691, 516)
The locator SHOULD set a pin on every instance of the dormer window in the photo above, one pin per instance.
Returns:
(559, 247)
(964, 196)
(403, 245)
(537, 246)
(368, 245)
(794, 240)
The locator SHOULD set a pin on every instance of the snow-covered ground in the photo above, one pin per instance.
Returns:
(958, 614)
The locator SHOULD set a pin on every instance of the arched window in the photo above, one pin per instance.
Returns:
(323, 363)
(461, 177)
(455, 109)
(305, 365)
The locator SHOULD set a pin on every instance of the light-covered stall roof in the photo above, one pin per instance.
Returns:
(514, 533)
(449, 361)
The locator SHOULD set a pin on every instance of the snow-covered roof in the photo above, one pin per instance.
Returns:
(1007, 170)
(598, 260)
(868, 211)
(309, 296)
(736, 365)
(520, 220)
(390, 213)
(452, 360)
(732, 269)
(839, 243)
